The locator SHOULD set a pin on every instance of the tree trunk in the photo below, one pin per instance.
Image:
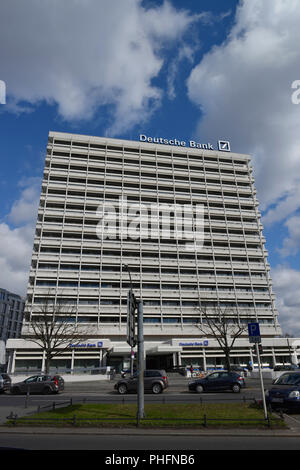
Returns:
(227, 359)
(47, 364)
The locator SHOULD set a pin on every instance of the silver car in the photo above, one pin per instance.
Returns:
(39, 384)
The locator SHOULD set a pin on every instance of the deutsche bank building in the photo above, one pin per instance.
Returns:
(177, 222)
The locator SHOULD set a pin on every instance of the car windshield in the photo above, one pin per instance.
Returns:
(288, 379)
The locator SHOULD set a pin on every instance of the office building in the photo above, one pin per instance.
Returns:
(176, 221)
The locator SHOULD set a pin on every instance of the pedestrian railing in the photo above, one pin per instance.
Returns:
(203, 421)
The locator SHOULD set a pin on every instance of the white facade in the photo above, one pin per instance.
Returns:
(79, 262)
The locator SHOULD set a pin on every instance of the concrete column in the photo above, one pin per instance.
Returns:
(43, 362)
(72, 361)
(174, 359)
(11, 362)
(179, 358)
(204, 359)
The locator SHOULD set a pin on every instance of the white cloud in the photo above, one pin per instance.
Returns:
(16, 237)
(185, 52)
(91, 54)
(244, 89)
(24, 209)
(15, 255)
(291, 244)
(286, 283)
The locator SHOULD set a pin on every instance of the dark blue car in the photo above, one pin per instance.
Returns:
(218, 381)
(285, 392)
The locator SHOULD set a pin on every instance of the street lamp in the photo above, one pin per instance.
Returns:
(132, 305)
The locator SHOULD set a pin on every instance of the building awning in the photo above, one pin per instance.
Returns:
(164, 349)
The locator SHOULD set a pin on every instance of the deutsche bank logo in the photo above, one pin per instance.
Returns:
(2, 92)
(224, 145)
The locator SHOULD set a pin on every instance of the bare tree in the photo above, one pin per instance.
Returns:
(53, 328)
(223, 325)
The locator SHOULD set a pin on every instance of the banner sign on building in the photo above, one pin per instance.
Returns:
(223, 145)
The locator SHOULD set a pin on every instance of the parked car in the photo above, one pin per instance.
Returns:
(39, 384)
(5, 382)
(285, 391)
(286, 367)
(218, 381)
(155, 381)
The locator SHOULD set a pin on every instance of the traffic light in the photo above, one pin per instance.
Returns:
(131, 308)
(260, 349)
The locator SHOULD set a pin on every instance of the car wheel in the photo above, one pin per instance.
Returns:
(156, 388)
(199, 388)
(236, 388)
(46, 390)
(15, 390)
(122, 389)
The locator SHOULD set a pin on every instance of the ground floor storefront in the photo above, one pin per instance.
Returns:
(94, 354)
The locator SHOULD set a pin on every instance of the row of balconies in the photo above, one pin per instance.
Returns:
(61, 223)
(189, 174)
(180, 168)
(128, 244)
(88, 169)
(56, 198)
(134, 261)
(118, 188)
(109, 276)
(57, 233)
(150, 157)
(239, 251)
(83, 215)
(178, 188)
(103, 310)
(146, 179)
(92, 214)
(176, 294)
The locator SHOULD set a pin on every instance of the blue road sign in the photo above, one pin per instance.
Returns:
(254, 332)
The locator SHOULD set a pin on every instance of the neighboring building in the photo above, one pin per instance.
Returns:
(91, 187)
(11, 314)
(11, 318)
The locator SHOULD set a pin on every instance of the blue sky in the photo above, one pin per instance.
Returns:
(179, 68)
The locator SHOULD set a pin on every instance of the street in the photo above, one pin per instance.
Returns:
(136, 439)
(171, 442)
(102, 391)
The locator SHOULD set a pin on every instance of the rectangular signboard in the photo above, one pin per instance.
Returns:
(254, 333)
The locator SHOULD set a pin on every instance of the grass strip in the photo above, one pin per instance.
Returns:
(233, 415)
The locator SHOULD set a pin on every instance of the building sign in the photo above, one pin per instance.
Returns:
(97, 344)
(223, 145)
(194, 343)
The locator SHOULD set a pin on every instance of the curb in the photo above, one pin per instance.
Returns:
(150, 432)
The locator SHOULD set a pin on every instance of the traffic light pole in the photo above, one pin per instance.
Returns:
(141, 364)
(132, 304)
(261, 381)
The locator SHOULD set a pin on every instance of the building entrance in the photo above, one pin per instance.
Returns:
(164, 362)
